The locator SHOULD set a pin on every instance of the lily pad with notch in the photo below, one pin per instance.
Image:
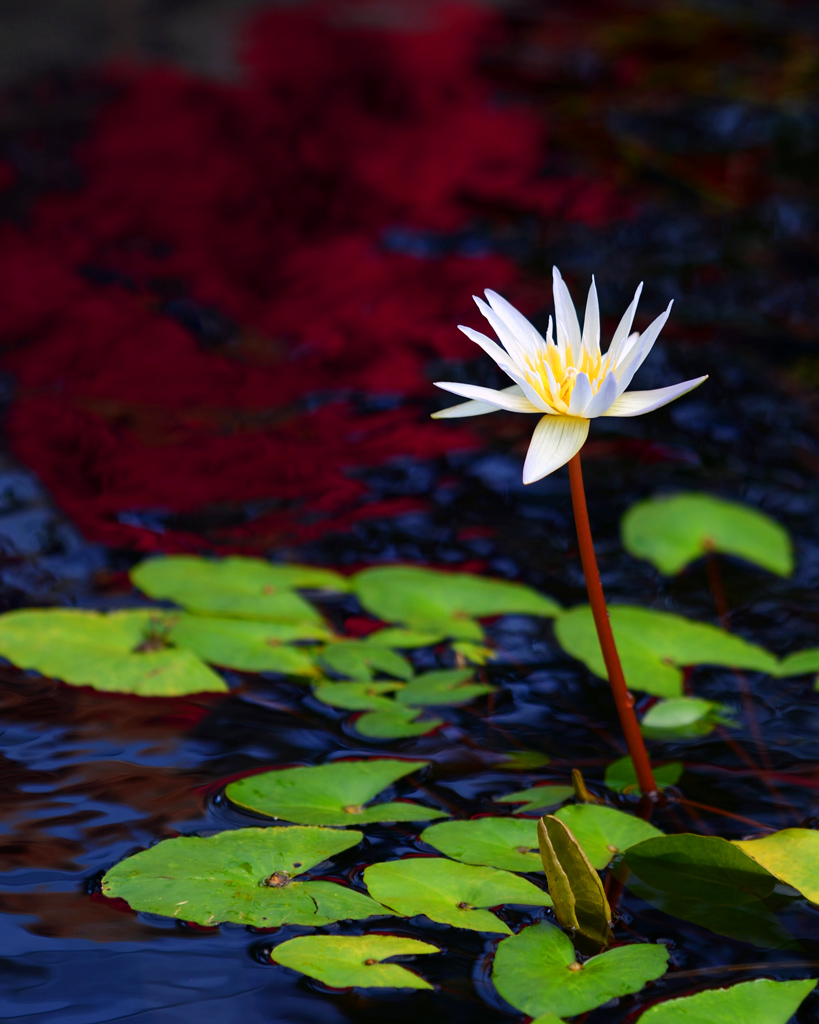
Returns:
(671, 531)
(395, 723)
(367, 696)
(247, 876)
(621, 777)
(360, 660)
(506, 843)
(654, 646)
(680, 718)
(119, 652)
(538, 798)
(792, 855)
(236, 587)
(762, 1001)
(450, 892)
(445, 686)
(604, 832)
(537, 972)
(348, 961)
(336, 793)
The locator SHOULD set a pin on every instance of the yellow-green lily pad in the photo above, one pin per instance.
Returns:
(760, 1001)
(347, 961)
(506, 843)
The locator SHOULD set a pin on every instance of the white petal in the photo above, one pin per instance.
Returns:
(517, 349)
(626, 368)
(591, 323)
(568, 327)
(474, 408)
(516, 321)
(636, 403)
(555, 440)
(582, 395)
(624, 326)
(502, 399)
(606, 394)
(509, 367)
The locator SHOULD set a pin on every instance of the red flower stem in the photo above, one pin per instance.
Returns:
(622, 697)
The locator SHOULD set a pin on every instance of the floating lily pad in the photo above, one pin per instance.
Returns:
(449, 892)
(447, 686)
(792, 855)
(244, 876)
(536, 971)
(579, 898)
(110, 652)
(538, 798)
(681, 718)
(622, 778)
(604, 832)
(360, 660)
(760, 1001)
(707, 867)
(404, 639)
(671, 531)
(236, 587)
(330, 794)
(248, 646)
(654, 646)
(474, 654)
(357, 696)
(523, 761)
(801, 663)
(346, 961)
(395, 722)
(444, 603)
(506, 843)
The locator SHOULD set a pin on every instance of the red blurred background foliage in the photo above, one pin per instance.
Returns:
(256, 213)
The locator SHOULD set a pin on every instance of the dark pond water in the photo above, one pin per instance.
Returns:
(720, 213)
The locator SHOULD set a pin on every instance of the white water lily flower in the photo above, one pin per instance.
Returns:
(566, 378)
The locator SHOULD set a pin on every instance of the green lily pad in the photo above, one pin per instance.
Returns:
(395, 723)
(654, 646)
(404, 639)
(244, 876)
(801, 663)
(792, 855)
(473, 654)
(671, 531)
(447, 686)
(761, 1001)
(330, 794)
(236, 587)
(506, 843)
(248, 646)
(449, 892)
(707, 867)
(681, 718)
(442, 602)
(109, 652)
(536, 971)
(360, 660)
(579, 898)
(357, 696)
(538, 798)
(604, 832)
(621, 777)
(346, 961)
(522, 761)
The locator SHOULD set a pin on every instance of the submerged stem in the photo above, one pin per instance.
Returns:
(622, 698)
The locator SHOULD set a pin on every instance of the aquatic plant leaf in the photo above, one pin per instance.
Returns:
(444, 602)
(681, 718)
(248, 646)
(474, 654)
(671, 531)
(575, 887)
(394, 723)
(548, 1018)
(506, 843)
(762, 1001)
(361, 660)
(357, 696)
(236, 587)
(450, 892)
(621, 777)
(536, 971)
(523, 761)
(347, 961)
(247, 876)
(330, 794)
(655, 645)
(604, 832)
(800, 663)
(792, 855)
(403, 639)
(538, 798)
(447, 686)
(706, 867)
(86, 648)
